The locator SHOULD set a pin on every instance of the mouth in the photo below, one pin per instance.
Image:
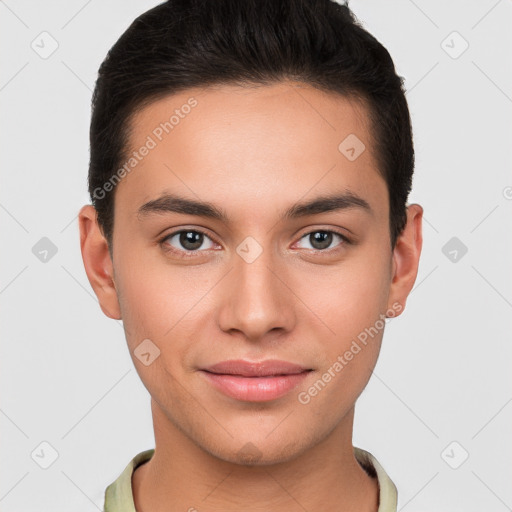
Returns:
(255, 382)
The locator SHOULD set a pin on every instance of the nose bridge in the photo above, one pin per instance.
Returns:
(257, 301)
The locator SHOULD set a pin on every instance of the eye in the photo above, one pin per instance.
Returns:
(321, 239)
(188, 240)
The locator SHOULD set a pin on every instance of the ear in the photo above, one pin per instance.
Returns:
(406, 256)
(97, 262)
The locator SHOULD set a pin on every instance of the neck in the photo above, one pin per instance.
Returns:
(181, 476)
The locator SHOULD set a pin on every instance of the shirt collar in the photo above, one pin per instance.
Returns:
(119, 494)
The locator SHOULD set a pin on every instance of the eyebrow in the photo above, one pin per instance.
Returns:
(176, 204)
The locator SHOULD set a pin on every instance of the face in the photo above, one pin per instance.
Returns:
(252, 273)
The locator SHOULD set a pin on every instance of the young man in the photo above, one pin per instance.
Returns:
(250, 167)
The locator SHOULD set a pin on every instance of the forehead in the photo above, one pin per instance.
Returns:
(274, 141)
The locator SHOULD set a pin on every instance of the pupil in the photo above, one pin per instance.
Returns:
(321, 239)
(191, 240)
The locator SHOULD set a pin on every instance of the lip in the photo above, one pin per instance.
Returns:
(268, 368)
(255, 381)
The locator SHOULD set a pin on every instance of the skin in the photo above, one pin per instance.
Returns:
(254, 152)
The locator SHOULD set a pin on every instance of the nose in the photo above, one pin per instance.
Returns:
(256, 299)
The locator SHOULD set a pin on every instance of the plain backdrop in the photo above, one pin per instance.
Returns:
(437, 412)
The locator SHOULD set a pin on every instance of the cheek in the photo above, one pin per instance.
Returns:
(163, 304)
(349, 297)
(351, 307)
(147, 300)
(350, 303)
(152, 309)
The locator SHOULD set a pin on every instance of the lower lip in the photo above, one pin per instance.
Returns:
(255, 389)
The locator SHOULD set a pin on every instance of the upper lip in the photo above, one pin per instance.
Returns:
(266, 368)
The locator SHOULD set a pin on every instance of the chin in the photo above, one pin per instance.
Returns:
(256, 453)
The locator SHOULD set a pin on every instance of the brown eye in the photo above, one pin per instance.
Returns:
(187, 240)
(321, 240)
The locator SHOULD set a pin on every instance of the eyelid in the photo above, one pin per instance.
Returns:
(182, 252)
(343, 236)
(188, 254)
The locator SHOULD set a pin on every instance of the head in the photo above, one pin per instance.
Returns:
(249, 174)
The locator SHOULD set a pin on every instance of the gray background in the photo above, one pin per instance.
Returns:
(441, 389)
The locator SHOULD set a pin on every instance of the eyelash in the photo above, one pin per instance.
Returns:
(190, 254)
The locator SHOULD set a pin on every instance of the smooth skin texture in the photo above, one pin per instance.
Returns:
(253, 152)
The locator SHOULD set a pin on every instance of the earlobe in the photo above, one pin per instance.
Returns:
(406, 256)
(97, 262)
